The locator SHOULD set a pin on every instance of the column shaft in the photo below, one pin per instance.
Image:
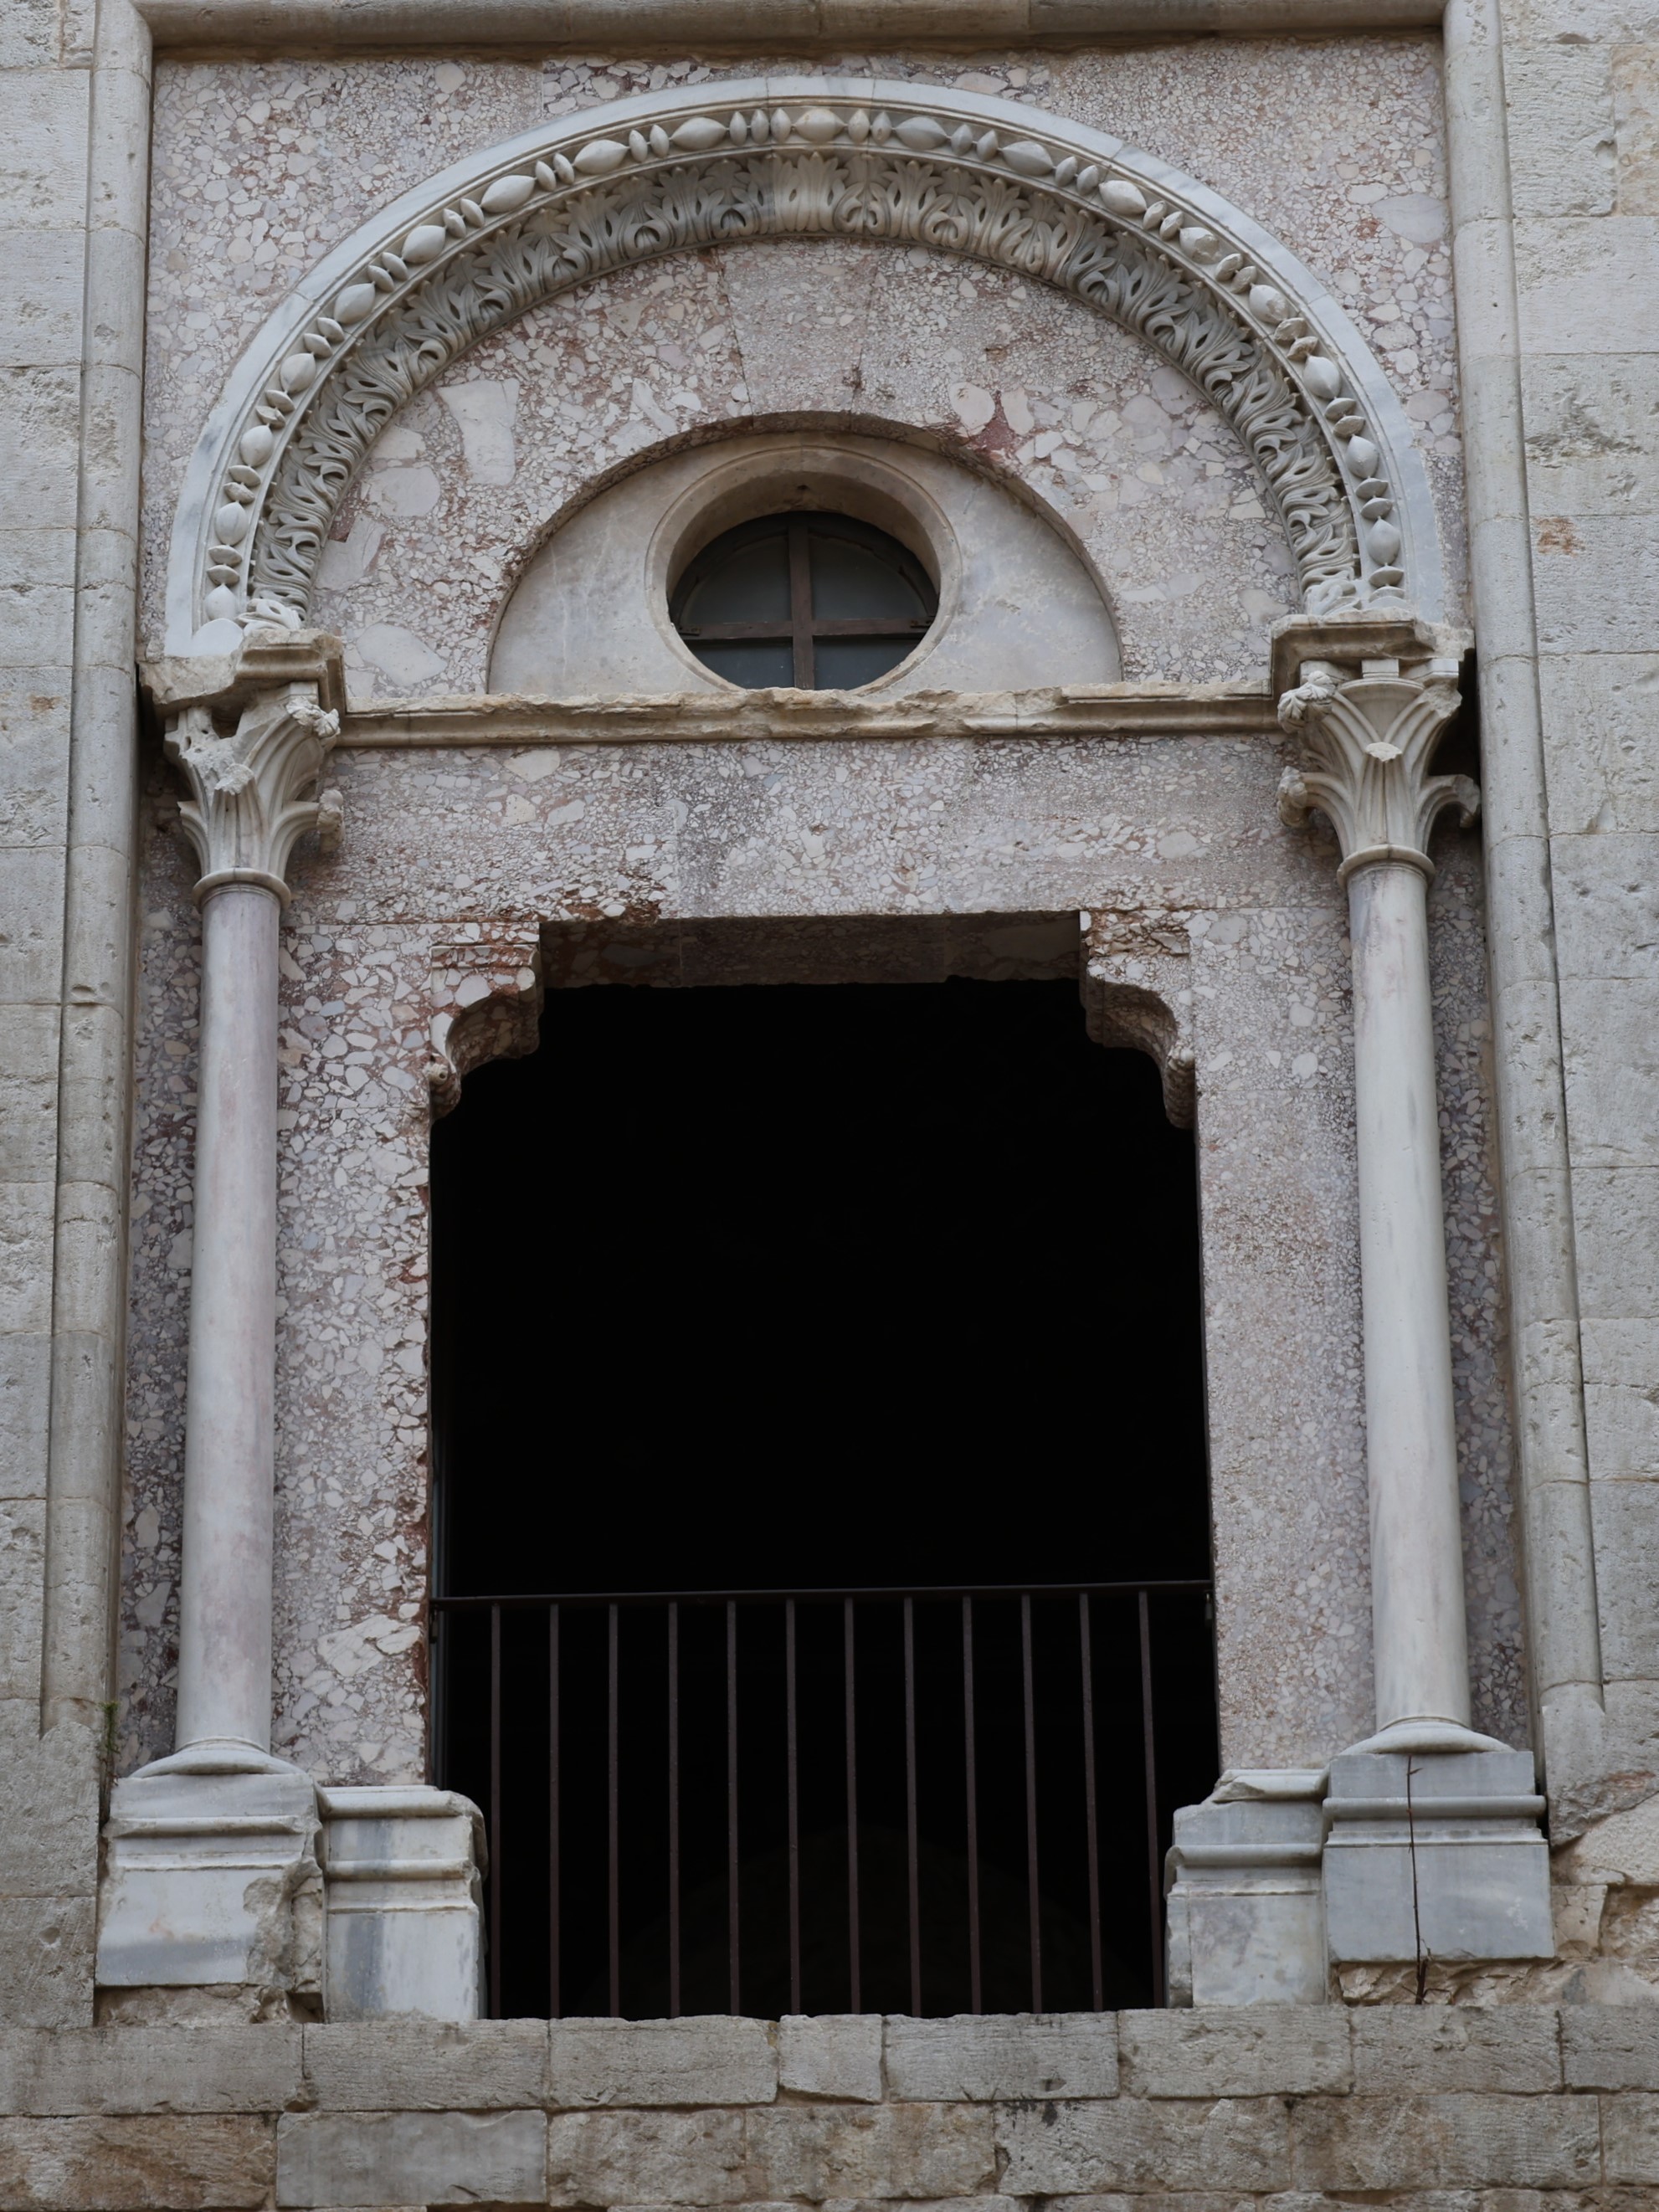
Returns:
(1417, 1554)
(225, 1604)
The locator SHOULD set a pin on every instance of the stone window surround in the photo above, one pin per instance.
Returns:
(648, 539)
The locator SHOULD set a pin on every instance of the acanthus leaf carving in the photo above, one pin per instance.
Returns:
(679, 178)
(1367, 741)
(253, 790)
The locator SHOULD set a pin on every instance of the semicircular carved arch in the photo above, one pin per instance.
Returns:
(672, 171)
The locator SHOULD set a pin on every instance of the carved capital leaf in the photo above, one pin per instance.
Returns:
(1366, 744)
(252, 789)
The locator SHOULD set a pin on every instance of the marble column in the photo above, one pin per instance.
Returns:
(252, 793)
(1432, 1855)
(211, 1856)
(1367, 741)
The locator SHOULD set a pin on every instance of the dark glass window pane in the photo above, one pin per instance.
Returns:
(742, 583)
(754, 664)
(844, 663)
(851, 579)
(750, 584)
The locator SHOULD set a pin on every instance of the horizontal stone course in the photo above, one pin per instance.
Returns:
(1272, 2052)
(153, 2069)
(364, 2158)
(1461, 2141)
(1437, 2048)
(175, 2163)
(425, 2065)
(713, 2061)
(1080, 2149)
(1610, 2046)
(1063, 2054)
(825, 2153)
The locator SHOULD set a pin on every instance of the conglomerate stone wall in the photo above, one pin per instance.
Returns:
(1515, 2109)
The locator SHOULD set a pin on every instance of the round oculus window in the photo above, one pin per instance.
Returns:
(816, 600)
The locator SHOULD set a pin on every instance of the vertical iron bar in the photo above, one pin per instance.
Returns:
(795, 1804)
(1030, 1804)
(673, 1811)
(851, 1816)
(613, 1897)
(910, 1808)
(973, 1991)
(553, 1811)
(1154, 1884)
(495, 1812)
(732, 1797)
(1091, 1831)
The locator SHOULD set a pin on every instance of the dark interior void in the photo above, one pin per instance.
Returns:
(854, 1287)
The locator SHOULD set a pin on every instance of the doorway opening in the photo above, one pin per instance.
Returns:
(822, 1532)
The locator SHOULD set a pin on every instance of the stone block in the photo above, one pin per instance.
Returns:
(42, 412)
(820, 2152)
(40, 307)
(1612, 1058)
(1561, 136)
(111, 2165)
(46, 1959)
(25, 1410)
(1616, 1220)
(1589, 569)
(710, 2060)
(1590, 425)
(1610, 2046)
(1598, 711)
(22, 1557)
(1458, 2141)
(50, 1849)
(1567, 270)
(1444, 1852)
(1271, 2051)
(1410, 2048)
(1245, 1914)
(403, 1926)
(1607, 906)
(155, 2070)
(1630, 2138)
(38, 626)
(390, 2065)
(1051, 2055)
(1636, 122)
(1625, 1516)
(363, 2159)
(26, 1222)
(31, 919)
(1078, 2149)
(211, 1879)
(831, 2054)
(648, 2158)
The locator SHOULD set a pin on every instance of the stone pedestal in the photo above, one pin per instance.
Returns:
(403, 1933)
(211, 1880)
(1245, 1913)
(1452, 1867)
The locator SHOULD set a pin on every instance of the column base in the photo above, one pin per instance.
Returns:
(1245, 1914)
(1458, 1870)
(211, 1881)
(404, 1932)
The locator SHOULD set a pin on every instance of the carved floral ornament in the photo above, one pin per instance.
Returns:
(389, 311)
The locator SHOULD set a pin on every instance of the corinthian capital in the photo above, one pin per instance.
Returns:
(1366, 743)
(254, 792)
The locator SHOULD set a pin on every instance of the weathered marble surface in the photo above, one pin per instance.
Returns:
(1336, 146)
(453, 860)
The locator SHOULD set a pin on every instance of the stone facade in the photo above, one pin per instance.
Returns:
(1304, 354)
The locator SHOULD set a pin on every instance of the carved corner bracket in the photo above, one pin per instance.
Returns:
(485, 999)
(1137, 994)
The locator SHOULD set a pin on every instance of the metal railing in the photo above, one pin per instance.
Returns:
(939, 1800)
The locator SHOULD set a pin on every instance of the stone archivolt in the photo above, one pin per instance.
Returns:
(837, 164)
